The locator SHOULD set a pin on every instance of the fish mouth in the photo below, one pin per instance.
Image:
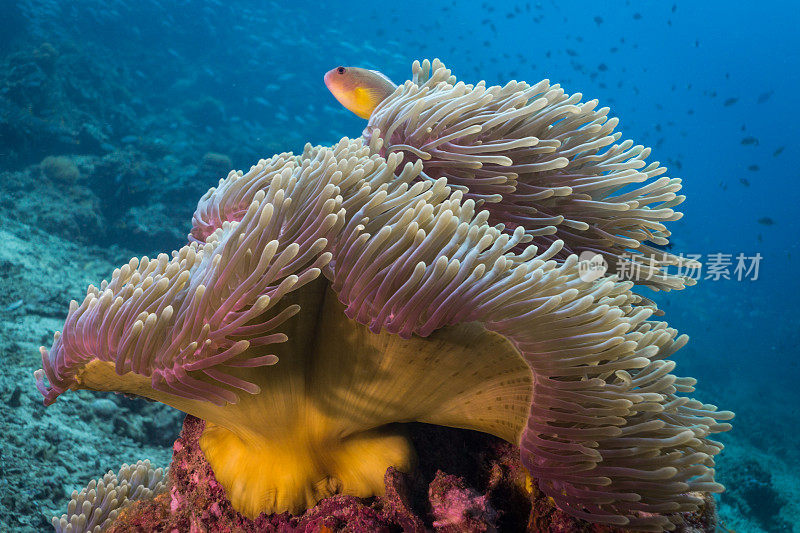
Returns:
(328, 78)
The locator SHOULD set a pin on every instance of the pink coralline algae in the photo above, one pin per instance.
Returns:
(458, 508)
(466, 482)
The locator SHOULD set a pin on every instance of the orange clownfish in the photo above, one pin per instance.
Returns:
(358, 89)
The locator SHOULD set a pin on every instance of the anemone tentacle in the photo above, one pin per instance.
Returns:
(96, 506)
(538, 158)
(608, 435)
(229, 201)
(179, 321)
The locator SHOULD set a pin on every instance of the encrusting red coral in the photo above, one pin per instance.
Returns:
(458, 508)
(466, 482)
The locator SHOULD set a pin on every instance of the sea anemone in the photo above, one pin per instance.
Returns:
(327, 298)
(536, 157)
(96, 507)
(201, 331)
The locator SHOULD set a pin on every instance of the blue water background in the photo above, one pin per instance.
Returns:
(669, 70)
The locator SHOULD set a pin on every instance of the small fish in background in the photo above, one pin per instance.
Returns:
(764, 97)
(753, 168)
(730, 101)
(358, 89)
(723, 185)
(766, 221)
(749, 141)
(598, 20)
(778, 151)
(744, 181)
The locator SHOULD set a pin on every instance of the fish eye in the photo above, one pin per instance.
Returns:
(341, 70)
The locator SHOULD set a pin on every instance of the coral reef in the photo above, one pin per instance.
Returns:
(214, 164)
(60, 169)
(753, 490)
(45, 454)
(140, 163)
